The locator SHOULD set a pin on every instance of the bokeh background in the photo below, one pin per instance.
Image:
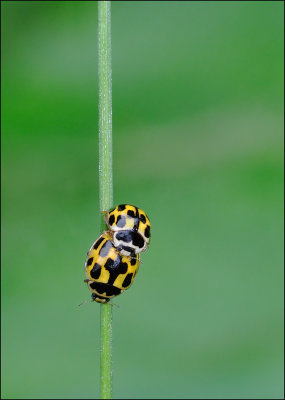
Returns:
(198, 144)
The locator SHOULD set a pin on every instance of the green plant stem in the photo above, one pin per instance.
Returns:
(105, 175)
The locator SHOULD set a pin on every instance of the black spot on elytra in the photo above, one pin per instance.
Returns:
(97, 243)
(111, 220)
(123, 267)
(121, 207)
(115, 268)
(142, 218)
(121, 221)
(137, 240)
(127, 280)
(137, 221)
(105, 288)
(90, 261)
(110, 264)
(133, 261)
(131, 213)
(147, 231)
(104, 251)
(96, 271)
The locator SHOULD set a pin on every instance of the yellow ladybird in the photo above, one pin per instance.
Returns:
(108, 272)
(130, 229)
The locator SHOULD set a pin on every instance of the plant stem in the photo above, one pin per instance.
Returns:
(105, 174)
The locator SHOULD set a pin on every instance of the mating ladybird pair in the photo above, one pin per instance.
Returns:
(113, 260)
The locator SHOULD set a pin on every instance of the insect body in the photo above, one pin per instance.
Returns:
(130, 229)
(108, 272)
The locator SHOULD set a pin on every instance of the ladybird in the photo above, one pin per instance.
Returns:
(130, 229)
(108, 272)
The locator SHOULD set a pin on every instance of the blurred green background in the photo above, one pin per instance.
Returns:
(198, 145)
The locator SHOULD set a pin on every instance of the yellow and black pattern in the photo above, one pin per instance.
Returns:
(125, 217)
(108, 272)
(130, 229)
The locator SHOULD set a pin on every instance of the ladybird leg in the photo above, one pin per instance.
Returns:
(84, 302)
(140, 260)
(133, 257)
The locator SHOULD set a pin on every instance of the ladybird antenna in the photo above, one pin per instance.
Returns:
(84, 302)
